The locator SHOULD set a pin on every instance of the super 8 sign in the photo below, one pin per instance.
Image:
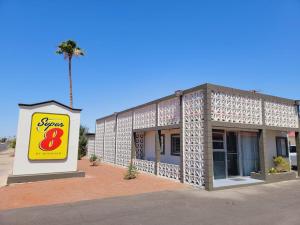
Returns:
(49, 136)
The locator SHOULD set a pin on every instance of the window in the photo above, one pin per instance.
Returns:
(219, 165)
(282, 147)
(175, 144)
(293, 149)
(162, 144)
(219, 156)
(218, 139)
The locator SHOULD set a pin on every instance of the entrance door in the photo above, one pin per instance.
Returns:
(249, 152)
(219, 154)
(232, 154)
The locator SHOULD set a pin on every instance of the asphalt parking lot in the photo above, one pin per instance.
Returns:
(3, 146)
(276, 204)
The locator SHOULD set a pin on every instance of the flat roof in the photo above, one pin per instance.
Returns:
(213, 87)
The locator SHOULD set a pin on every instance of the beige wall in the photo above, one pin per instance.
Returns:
(271, 145)
(150, 147)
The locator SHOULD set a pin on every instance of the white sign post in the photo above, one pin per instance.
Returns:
(47, 142)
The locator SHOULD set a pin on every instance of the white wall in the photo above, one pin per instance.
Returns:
(22, 165)
(292, 139)
(167, 157)
(271, 145)
(91, 146)
(150, 147)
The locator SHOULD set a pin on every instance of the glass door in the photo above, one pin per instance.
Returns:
(232, 154)
(249, 152)
(219, 156)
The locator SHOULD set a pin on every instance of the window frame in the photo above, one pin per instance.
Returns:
(219, 132)
(172, 150)
(286, 146)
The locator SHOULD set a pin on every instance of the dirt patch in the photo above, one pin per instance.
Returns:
(103, 181)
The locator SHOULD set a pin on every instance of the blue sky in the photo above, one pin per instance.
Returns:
(137, 51)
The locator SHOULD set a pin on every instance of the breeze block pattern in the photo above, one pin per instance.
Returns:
(236, 108)
(144, 117)
(99, 138)
(109, 140)
(171, 171)
(140, 145)
(204, 108)
(193, 138)
(124, 135)
(91, 146)
(144, 165)
(169, 112)
(281, 115)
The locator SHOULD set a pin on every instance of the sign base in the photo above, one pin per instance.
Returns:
(43, 176)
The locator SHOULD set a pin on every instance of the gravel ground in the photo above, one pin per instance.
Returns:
(103, 181)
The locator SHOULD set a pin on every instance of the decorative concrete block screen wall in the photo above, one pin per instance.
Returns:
(144, 117)
(99, 138)
(281, 115)
(91, 145)
(144, 165)
(235, 108)
(202, 109)
(109, 140)
(140, 145)
(193, 138)
(239, 108)
(169, 112)
(171, 171)
(124, 135)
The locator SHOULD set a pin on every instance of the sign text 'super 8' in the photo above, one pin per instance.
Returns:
(49, 136)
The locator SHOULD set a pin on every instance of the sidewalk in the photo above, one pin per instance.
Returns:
(6, 163)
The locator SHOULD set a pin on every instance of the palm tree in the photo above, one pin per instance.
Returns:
(69, 49)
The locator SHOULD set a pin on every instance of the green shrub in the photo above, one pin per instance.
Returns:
(93, 158)
(12, 143)
(131, 172)
(281, 164)
(82, 144)
(272, 170)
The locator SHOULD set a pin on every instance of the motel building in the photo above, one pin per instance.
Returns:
(208, 136)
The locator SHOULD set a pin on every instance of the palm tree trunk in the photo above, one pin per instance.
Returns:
(70, 80)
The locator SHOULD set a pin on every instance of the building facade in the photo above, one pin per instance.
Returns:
(90, 144)
(200, 135)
